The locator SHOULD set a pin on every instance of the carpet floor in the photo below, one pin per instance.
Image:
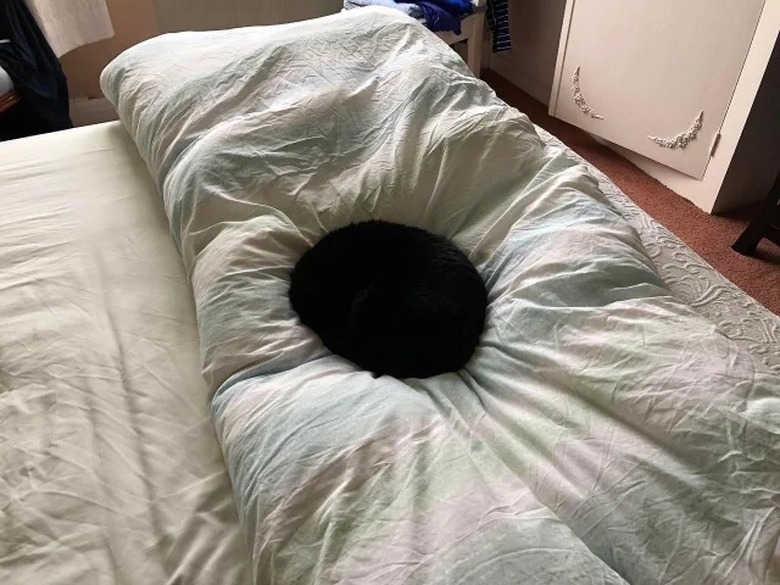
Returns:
(710, 236)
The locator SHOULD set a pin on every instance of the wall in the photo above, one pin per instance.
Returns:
(133, 20)
(536, 31)
(176, 15)
(137, 20)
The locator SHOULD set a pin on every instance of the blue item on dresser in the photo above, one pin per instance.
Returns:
(455, 7)
(438, 19)
(437, 15)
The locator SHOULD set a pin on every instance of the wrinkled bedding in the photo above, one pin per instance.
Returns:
(110, 471)
(603, 432)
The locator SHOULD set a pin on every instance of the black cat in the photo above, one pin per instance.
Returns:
(393, 299)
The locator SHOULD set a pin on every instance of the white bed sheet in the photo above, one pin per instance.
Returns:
(109, 467)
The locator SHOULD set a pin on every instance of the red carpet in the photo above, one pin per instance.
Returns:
(710, 236)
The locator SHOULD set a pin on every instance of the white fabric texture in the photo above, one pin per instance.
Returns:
(604, 432)
(72, 23)
(692, 280)
(110, 471)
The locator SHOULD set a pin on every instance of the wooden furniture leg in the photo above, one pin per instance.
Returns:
(474, 44)
(766, 224)
(472, 28)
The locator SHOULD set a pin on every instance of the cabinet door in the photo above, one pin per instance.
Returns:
(654, 76)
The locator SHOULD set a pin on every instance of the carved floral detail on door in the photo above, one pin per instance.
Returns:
(579, 99)
(682, 139)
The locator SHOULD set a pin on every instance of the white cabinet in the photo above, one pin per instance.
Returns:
(654, 76)
(668, 81)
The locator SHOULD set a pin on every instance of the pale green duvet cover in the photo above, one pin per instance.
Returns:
(602, 433)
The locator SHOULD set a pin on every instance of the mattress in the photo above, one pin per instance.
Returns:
(109, 467)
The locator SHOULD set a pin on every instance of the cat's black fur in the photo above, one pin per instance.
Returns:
(393, 299)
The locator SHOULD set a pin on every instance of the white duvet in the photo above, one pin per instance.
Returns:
(602, 433)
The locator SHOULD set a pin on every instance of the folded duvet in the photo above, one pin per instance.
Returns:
(603, 432)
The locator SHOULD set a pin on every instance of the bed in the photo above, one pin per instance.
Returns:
(647, 454)
(111, 472)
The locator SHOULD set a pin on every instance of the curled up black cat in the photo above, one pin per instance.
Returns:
(393, 299)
